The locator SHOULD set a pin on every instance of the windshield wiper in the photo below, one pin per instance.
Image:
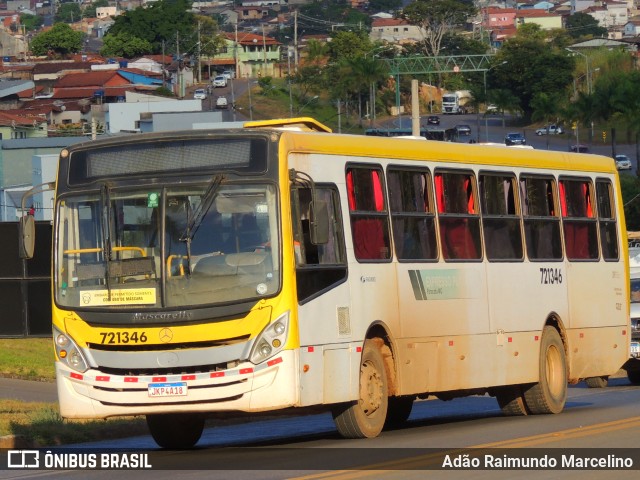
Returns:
(194, 222)
(106, 235)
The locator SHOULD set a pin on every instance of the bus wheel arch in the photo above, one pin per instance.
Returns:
(549, 394)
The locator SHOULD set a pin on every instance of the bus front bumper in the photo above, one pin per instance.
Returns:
(268, 386)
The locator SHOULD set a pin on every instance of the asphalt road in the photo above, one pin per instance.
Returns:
(28, 391)
(493, 129)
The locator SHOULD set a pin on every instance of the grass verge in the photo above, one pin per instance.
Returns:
(40, 424)
(27, 358)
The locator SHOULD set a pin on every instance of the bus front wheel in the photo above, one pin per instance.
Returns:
(176, 431)
(365, 417)
(550, 393)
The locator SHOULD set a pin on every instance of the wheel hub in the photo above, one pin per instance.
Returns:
(370, 388)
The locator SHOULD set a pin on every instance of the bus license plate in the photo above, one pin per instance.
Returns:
(635, 349)
(177, 389)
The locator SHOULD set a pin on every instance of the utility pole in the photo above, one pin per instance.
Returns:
(164, 83)
(179, 92)
(199, 56)
(235, 53)
(264, 52)
(295, 39)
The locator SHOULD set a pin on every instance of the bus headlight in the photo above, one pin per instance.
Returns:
(68, 352)
(271, 340)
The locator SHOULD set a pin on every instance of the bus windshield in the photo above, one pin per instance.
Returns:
(167, 247)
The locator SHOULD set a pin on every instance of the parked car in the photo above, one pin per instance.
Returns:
(220, 81)
(491, 109)
(222, 102)
(515, 138)
(579, 148)
(550, 129)
(229, 74)
(463, 129)
(200, 94)
(622, 162)
(433, 120)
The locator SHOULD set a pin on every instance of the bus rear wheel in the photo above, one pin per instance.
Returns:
(365, 417)
(398, 411)
(511, 400)
(550, 393)
(176, 431)
(596, 382)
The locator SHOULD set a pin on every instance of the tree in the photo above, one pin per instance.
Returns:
(505, 101)
(68, 13)
(438, 17)
(384, 5)
(346, 44)
(31, 22)
(61, 39)
(546, 107)
(125, 45)
(211, 41)
(321, 15)
(582, 24)
(532, 66)
(165, 21)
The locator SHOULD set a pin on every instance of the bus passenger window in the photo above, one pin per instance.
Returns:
(607, 220)
(458, 217)
(369, 220)
(578, 220)
(541, 224)
(412, 215)
(500, 218)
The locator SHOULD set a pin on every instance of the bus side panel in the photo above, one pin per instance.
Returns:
(437, 302)
(325, 324)
(604, 282)
(597, 299)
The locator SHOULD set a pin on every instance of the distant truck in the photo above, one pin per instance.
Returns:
(457, 102)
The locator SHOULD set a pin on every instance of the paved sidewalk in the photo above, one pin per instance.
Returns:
(28, 391)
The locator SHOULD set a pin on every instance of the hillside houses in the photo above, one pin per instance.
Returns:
(76, 90)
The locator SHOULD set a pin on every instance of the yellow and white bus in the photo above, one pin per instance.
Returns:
(280, 266)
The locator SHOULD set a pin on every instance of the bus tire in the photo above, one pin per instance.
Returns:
(398, 411)
(511, 401)
(596, 382)
(550, 393)
(634, 376)
(176, 431)
(366, 417)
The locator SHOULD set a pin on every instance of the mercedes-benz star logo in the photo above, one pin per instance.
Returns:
(165, 335)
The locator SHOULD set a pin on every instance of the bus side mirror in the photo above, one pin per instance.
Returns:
(27, 236)
(319, 222)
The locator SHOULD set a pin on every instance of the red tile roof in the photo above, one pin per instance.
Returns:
(245, 38)
(86, 79)
(388, 22)
(8, 119)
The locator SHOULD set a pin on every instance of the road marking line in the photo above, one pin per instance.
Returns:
(428, 459)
